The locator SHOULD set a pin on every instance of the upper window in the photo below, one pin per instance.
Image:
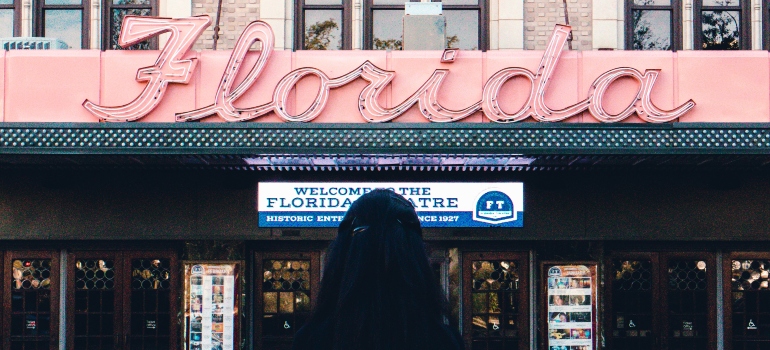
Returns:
(722, 25)
(68, 21)
(9, 18)
(326, 24)
(465, 24)
(115, 10)
(717, 25)
(323, 25)
(653, 25)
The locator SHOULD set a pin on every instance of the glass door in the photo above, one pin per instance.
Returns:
(747, 301)
(121, 300)
(630, 288)
(31, 300)
(496, 300)
(284, 296)
(661, 301)
(150, 314)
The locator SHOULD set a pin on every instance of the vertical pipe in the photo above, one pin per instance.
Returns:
(720, 304)
(533, 301)
(566, 21)
(63, 299)
(216, 25)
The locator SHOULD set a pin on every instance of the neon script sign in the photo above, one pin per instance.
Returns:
(172, 66)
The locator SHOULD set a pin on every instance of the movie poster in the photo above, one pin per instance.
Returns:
(211, 311)
(570, 308)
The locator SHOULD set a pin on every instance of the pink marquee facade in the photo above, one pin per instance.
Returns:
(51, 86)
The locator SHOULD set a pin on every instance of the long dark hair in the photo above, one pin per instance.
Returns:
(378, 290)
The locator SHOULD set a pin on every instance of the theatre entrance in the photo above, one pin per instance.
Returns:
(122, 300)
(496, 300)
(661, 301)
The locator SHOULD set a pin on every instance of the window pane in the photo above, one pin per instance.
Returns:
(63, 2)
(116, 21)
(462, 29)
(460, 2)
(65, 25)
(652, 30)
(652, 2)
(6, 2)
(323, 30)
(388, 29)
(6, 23)
(132, 2)
(721, 30)
(687, 304)
(389, 2)
(323, 2)
(721, 2)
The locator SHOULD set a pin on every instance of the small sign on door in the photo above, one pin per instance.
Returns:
(150, 324)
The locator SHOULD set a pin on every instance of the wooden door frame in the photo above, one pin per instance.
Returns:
(256, 276)
(711, 293)
(72, 256)
(174, 289)
(543, 302)
(467, 258)
(5, 291)
(727, 288)
(654, 259)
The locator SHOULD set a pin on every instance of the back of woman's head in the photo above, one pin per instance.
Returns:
(378, 290)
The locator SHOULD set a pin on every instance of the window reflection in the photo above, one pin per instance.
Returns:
(323, 30)
(6, 23)
(66, 25)
(652, 30)
(462, 29)
(115, 26)
(721, 30)
(388, 30)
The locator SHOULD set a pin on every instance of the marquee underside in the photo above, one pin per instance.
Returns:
(394, 146)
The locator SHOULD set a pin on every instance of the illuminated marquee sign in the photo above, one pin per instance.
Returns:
(172, 67)
(440, 204)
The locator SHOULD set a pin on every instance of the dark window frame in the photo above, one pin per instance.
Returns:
(661, 327)
(522, 315)
(676, 22)
(728, 294)
(256, 279)
(6, 292)
(122, 312)
(299, 22)
(107, 21)
(38, 18)
(16, 7)
(482, 7)
(745, 22)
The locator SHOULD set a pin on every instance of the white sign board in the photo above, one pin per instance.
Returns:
(438, 204)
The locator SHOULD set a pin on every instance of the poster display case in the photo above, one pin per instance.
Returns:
(570, 306)
(211, 300)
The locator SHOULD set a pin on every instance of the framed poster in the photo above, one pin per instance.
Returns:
(571, 299)
(211, 305)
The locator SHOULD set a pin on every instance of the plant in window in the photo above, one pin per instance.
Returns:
(452, 41)
(319, 35)
(721, 29)
(387, 44)
(644, 36)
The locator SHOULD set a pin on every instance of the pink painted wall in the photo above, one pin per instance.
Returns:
(50, 86)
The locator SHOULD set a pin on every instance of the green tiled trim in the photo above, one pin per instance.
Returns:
(457, 138)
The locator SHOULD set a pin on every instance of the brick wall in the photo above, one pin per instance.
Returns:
(236, 14)
(541, 15)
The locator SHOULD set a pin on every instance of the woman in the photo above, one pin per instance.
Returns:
(378, 290)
